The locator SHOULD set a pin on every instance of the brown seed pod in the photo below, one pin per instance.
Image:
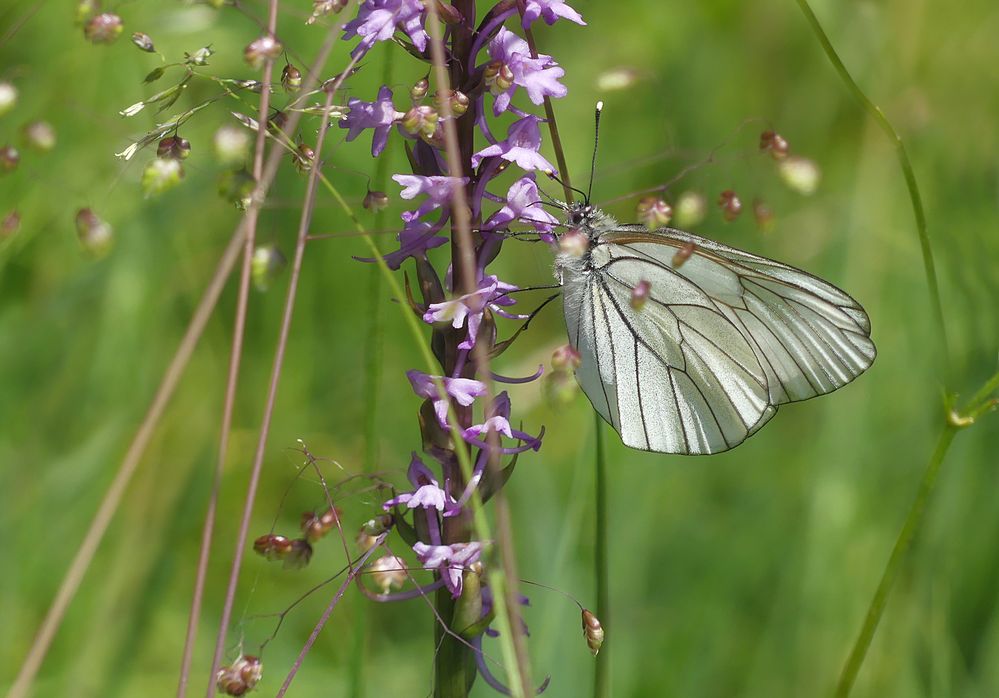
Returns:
(272, 547)
(683, 254)
(593, 632)
(774, 143)
(730, 205)
(640, 294)
(299, 554)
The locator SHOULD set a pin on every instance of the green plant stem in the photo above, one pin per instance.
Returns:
(898, 553)
(601, 572)
(978, 400)
(929, 266)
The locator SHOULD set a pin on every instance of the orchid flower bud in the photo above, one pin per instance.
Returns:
(421, 121)
(566, 358)
(321, 8)
(419, 89)
(458, 101)
(498, 77)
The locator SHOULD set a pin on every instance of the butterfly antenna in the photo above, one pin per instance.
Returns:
(551, 174)
(596, 140)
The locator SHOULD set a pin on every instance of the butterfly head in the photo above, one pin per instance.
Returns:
(581, 214)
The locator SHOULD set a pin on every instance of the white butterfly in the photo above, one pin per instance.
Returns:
(698, 358)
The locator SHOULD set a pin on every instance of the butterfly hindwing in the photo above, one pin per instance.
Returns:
(676, 376)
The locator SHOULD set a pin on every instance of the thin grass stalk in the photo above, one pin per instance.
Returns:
(601, 571)
(354, 570)
(270, 170)
(232, 380)
(979, 400)
(929, 266)
(112, 498)
(898, 553)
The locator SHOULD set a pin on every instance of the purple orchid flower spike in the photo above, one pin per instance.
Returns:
(521, 146)
(498, 421)
(377, 20)
(438, 191)
(538, 76)
(449, 560)
(523, 203)
(463, 390)
(378, 115)
(550, 11)
(414, 241)
(496, 60)
(470, 308)
(427, 493)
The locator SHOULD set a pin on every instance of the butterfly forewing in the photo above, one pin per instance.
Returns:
(720, 341)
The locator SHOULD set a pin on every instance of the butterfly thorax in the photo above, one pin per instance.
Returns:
(578, 245)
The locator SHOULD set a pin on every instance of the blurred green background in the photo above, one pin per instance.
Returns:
(746, 574)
